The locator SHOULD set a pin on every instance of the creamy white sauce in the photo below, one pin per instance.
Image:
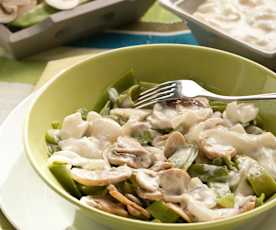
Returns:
(252, 21)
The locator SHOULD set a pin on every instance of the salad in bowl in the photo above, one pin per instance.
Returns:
(177, 162)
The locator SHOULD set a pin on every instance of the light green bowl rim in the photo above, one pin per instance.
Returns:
(70, 198)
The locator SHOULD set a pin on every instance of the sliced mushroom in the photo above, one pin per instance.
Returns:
(73, 126)
(8, 13)
(133, 198)
(203, 213)
(134, 128)
(161, 116)
(76, 160)
(175, 141)
(242, 113)
(174, 181)
(131, 114)
(147, 180)
(105, 129)
(85, 147)
(101, 178)
(248, 205)
(139, 211)
(63, 4)
(160, 141)
(129, 145)
(92, 116)
(212, 143)
(105, 204)
(194, 132)
(161, 165)
(181, 212)
(189, 116)
(157, 154)
(215, 150)
(129, 151)
(149, 195)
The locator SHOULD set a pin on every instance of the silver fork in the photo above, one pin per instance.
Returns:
(188, 89)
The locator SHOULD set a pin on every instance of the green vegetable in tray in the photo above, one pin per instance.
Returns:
(209, 173)
(159, 210)
(34, 16)
(184, 157)
(62, 174)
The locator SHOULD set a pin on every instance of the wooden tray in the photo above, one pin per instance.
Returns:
(66, 26)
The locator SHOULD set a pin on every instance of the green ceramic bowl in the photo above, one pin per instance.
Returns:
(82, 84)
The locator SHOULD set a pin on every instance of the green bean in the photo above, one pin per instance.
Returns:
(221, 161)
(113, 95)
(34, 16)
(106, 109)
(145, 137)
(218, 105)
(184, 157)
(160, 211)
(51, 137)
(260, 200)
(127, 99)
(209, 173)
(92, 190)
(56, 125)
(84, 112)
(52, 148)
(261, 181)
(272, 197)
(227, 201)
(124, 83)
(63, 176)
(146, 85)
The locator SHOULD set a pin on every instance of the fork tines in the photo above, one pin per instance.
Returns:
(156, 94)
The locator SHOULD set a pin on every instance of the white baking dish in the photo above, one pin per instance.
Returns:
(209, 36)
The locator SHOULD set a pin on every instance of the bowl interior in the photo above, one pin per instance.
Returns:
(83, 84)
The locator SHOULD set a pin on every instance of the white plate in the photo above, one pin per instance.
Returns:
(29, 204)
(24, 198)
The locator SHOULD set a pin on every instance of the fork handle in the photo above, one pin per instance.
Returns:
(257, 97)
